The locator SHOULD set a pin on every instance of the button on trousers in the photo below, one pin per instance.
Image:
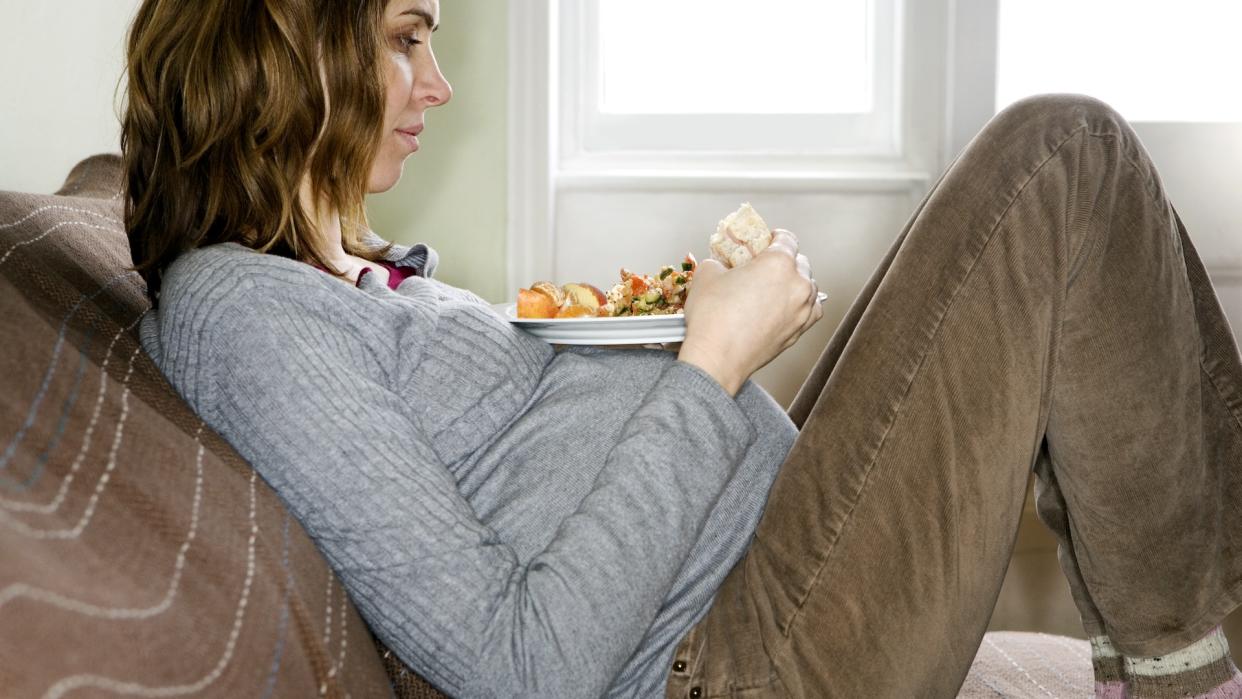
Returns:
(1043, 309)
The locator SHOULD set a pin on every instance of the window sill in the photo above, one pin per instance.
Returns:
(717, 180)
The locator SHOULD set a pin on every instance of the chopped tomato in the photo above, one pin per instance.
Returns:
(638, 285)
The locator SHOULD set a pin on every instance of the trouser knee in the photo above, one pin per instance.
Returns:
(1032, 128)
(1060, 112)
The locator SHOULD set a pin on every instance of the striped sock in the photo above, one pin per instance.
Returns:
(1203, 670)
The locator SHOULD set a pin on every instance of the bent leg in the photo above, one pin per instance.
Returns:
(888, 531)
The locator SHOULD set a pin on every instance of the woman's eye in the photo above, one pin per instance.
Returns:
(408, 41)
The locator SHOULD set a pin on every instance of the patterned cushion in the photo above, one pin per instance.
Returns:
(1015, 664)
(139, 555)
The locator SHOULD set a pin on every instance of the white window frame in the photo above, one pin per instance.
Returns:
(531, 156)
(970, 88)
(590, 137)
(544, 160)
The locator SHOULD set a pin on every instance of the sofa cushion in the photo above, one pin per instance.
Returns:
(1016, 664)
(139, 554)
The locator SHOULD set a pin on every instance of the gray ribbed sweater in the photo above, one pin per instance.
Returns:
(510, 520)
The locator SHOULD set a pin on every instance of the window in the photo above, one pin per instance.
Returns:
(739, 57)
(1173, 62)
(729, 77)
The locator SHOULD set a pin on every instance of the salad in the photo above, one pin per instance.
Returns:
(663, 293)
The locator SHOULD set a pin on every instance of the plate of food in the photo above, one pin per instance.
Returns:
(639, 309)
(629, 330)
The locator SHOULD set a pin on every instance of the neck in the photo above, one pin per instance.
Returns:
(328, 226)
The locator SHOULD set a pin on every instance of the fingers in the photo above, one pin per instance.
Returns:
(816, 308)
(786, 234)
(817, 312)
(784, 241)
(804, 265)
(804, 269)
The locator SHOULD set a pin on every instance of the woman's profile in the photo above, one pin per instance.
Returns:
(513, 520)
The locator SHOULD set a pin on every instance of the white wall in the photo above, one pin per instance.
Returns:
(454, 193)
(1201, 167)
(62, 62)
(63, 59)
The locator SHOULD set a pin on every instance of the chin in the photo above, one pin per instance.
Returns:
(384, 179)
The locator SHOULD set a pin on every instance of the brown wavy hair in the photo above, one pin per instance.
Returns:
(227, 110)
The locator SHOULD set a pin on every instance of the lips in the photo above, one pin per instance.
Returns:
(410, 136)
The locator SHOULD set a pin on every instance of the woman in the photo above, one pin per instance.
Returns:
(513, 521)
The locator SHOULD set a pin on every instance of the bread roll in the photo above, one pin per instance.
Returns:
(551, 290)
(740, 236)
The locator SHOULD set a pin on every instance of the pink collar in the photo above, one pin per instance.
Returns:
(396, 274)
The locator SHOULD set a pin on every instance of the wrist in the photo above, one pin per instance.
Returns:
(728, 380)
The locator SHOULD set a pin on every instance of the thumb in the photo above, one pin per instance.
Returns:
(708, 269)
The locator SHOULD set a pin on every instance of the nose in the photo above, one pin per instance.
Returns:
(432, 87)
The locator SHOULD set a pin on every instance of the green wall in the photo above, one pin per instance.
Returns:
(454, 190)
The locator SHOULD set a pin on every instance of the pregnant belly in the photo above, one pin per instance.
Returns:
(535, 474)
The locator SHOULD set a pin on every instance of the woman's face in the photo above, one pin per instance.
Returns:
(414, 84)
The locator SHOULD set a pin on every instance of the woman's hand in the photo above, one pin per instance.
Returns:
(738, 320)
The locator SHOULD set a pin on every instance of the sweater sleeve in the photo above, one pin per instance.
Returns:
(434, 583)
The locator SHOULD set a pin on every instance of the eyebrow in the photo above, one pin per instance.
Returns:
(425, 16)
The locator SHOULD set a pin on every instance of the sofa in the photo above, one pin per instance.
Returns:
(140, 555)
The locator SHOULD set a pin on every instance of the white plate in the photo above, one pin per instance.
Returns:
(625, 330)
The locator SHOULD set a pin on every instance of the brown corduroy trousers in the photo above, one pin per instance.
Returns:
(1042, 309)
